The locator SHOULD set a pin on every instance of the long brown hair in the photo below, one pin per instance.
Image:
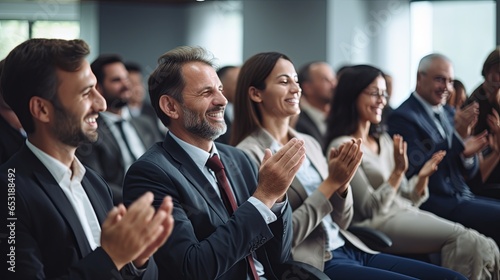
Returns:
(343, 116)
(253, 73)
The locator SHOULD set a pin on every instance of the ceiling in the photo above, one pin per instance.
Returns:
(113, 1)
(142, 1)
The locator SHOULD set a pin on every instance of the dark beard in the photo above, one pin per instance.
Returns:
(201, 128)
(68, 130)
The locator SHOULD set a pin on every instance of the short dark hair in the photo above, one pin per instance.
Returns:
(30, 70)
(304, 74)
(133, 67)
(3, 105)
(223, 70)
(167, 78)
(98, 64)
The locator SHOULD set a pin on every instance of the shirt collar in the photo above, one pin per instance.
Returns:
(111, 118)
(199, 156)
(56, 168)
(428, 107)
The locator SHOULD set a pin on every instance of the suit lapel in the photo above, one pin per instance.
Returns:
(265, 141)
(193, 174)
(448, 122)
(145, 136)
(315, 156)
(315, 159)
(106, 136)
(426, 121)
(60, 201)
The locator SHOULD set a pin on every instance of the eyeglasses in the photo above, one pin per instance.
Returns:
(376, 95)
(440, 79)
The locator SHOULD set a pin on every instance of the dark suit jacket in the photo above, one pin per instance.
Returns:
(206, 242)
(105, 157)
(447, 185)
(307, 126)
(49, 240)
(10, 142)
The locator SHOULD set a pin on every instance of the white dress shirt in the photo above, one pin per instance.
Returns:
(310, 178)
(70, 181)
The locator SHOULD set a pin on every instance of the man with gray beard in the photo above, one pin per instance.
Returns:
(233, 221)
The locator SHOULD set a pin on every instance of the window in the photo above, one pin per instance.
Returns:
(14, 32)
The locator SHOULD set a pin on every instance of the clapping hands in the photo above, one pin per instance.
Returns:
(343, 163)
(134, 234)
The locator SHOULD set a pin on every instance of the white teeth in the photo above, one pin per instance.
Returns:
(91, 120)
(217, 115)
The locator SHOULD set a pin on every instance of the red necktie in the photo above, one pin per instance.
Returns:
(216, 166)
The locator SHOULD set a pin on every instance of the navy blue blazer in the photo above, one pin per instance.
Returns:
(207, 243)
(447, 185)
(49, 240)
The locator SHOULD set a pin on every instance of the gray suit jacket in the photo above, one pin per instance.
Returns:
(309, 236)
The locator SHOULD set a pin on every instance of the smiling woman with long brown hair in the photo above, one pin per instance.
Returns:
(267, 96)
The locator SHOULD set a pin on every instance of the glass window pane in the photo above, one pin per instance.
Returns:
(56, 29)
(12, 33)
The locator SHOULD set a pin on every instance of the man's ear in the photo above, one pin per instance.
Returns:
(419, 76)
(41, 109)
(169, 106)
(255, 94)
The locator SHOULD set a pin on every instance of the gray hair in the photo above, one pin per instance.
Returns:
(426, 61)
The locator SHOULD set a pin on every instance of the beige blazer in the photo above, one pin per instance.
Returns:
(309, 236)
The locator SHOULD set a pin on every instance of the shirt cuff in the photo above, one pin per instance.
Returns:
(269, 215)
(468, 162)
(136, 271)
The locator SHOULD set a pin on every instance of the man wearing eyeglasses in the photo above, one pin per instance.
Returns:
(428, 127)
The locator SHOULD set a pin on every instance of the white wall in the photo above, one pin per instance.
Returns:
(348, 37)
(372, 32)
(465, 32)
(218, 27)
(391, 44)
(394, 35)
